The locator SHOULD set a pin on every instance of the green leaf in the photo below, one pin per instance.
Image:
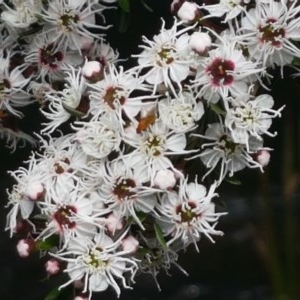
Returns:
(146, 6)
(142, 216)
(72, 111)
(233, 180)
(217, 109)
(124, 5)
(123, 21)
(53, 294)
(48, 243)
(296, 61)
(159, 236)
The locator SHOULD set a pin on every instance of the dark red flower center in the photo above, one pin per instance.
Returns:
(123, 188)
(63, 216)
(270, 34)
(220, 71)
(113, 96)
(49, 56)
(186, 212)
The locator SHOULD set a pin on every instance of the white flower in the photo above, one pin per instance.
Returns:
(12, 84)
(63, 103)
(167, 56)
(24, 13)
(224, 72)
(269, 30)
(188, 214)
(69, 214)
(98, 138)
(230, 8)
(68, 22)
(165, 179)
(124, 190)
(113, 94)
(181, 113)
(154, 145)
(98, 263)
(221, 149)
(249, 117)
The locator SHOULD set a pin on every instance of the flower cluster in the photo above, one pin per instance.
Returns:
(116, 191)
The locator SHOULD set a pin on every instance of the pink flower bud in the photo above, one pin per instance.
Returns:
(52, 266)
(92, 71)
(165, 179)
(175, 5)
(130, 244)
(188, 11)
(114, 223)
(263, 157)
(25, 247)
(200, 42)
(35, 191)
(81, 298)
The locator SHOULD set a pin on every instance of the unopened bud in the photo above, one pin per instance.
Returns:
(200, 42)
(25, 247)
(263, 157)
(114, 223)
(165, 179)
(35, 191)
(92, 71)
(130, 244)
(52, 266)
(188, 11)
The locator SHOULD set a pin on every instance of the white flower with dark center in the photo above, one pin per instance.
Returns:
(181, 113)
(166, 58)
(248, 117)
(268, 32)
(48, 59)
(12, 84)
(69, 214)
(125, 192)
(62, 163)
(154, 145)
(69, 22)
(222, 151)
(230, 8)
(62, 104)
(98, 263)
(224, 72)
(98, 138)
(189, 213)
(114, 94)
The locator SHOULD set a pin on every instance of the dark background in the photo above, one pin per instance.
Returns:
(257, 259)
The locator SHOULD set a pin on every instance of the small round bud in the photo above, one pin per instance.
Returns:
(114, 223)
(175, 5)
(165, 179)
(52, 266)
(200, 42)
(263, 157)
(92, 71)
(25, 247)
(35, 191)
(188, 11)
(130, 244)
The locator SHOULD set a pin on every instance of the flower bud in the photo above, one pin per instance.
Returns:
(130, 244)
(188, 11)
(52, 266)
(263, 157)
(35, 191)
(114, 223)
(165, 179)
(25, 247)
(175, 5)
(92, 71)
(200, 42)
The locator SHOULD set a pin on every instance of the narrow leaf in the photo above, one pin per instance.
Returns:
(159, 236)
